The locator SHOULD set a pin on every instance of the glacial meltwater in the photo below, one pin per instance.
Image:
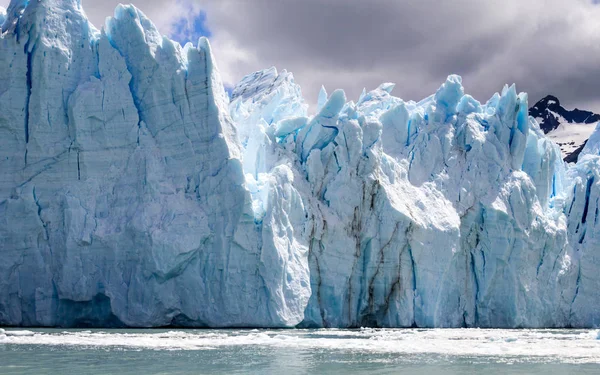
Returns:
(331, 351)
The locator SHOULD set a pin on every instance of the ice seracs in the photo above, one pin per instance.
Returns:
(134, 192)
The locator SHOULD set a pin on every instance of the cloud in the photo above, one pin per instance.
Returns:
(190, 29)
(544, 46)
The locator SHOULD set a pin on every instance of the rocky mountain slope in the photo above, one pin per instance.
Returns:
(570, 129)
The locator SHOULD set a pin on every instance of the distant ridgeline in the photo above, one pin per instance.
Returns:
(134, 192)
(570, 129)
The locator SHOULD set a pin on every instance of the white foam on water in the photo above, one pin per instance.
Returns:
(568, 346)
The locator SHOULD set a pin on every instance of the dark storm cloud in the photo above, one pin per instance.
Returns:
(544, 46)
(356, 44)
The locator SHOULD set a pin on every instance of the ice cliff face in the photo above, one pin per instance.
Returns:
(123, 198)
(133, 192)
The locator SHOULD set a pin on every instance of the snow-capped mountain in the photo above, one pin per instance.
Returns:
(570, 129)
(133, 192)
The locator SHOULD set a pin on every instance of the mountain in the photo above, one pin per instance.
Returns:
(134, 192)
(569, 129)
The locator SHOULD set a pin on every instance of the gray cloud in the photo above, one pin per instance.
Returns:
(544, 46)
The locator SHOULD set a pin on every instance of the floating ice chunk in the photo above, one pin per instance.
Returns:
(18, 333)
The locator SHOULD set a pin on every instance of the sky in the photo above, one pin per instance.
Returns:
(543, 46)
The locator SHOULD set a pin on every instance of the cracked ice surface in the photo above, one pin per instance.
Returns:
(133, 193)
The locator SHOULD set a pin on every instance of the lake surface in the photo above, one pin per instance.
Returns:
(288, 352)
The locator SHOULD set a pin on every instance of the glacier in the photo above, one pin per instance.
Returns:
(135, 193)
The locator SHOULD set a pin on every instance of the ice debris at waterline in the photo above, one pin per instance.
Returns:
(422, 346)
(134, 193)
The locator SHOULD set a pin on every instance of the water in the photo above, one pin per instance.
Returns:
(288, 352)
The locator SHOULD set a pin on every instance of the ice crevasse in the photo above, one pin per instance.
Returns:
(135, 192)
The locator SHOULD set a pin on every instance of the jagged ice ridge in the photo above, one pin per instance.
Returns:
(134, 192)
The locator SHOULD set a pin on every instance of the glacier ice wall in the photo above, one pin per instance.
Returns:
(134, 192)
(123, 198)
